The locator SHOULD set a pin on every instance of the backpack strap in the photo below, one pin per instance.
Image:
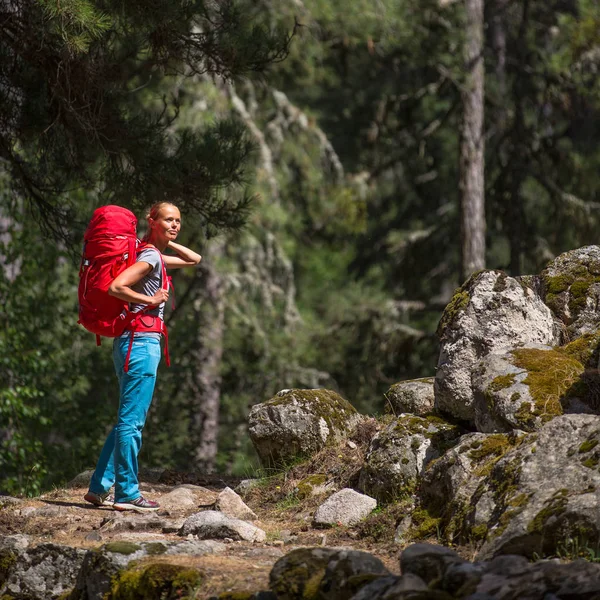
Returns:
(139, 321)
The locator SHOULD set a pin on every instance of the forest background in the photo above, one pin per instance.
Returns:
(351, 196)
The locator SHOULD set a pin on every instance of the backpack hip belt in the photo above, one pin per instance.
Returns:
(142, 322)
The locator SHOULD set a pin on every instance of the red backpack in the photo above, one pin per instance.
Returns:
(110, 246)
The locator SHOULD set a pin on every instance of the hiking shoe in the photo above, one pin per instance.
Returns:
(140, 504)
(99, 499)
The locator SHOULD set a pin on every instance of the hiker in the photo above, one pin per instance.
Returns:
(136, 355)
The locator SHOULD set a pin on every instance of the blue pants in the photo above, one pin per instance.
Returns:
(118, 464)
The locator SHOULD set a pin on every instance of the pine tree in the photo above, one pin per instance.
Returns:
(84, 105)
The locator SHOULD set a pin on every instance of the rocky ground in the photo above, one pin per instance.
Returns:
(63, 518)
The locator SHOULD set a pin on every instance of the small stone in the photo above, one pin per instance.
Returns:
(351, 444)
(346, 507)
(94, 536)
(230, 504)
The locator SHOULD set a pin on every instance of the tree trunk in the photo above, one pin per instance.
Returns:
(205, 377)
(472, 189)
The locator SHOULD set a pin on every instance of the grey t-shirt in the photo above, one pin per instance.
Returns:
(149, 285)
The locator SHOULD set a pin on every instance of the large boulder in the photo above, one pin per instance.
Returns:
(527, 387)
(44, 572)
(299, 423)
(449, 483)
(542, 493)
(323, 573)
(572, 289)
(398, 454)
(490, 313)
(414, 396)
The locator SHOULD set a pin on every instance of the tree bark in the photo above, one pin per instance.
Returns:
(205, 377)
(472, 145)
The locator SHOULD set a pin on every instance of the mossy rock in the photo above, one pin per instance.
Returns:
(572, 289)
(527, 387)
(298, 575)
(156, 581)
(401, 451)
(500, 314)
(298, 423)
(414, 396)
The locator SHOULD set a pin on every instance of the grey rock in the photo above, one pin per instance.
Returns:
(211, 524)
(347, 571)
(42, 573)
(550, 491)
(491, 313)
(244, 486)
(376, 590)
(428, 562)
(230, 504)
(461, 579)
(347, 507)
(415, 396)
(15, 543)
(299, 422)
(9, 501)
(196, 547)
(404, 585)
(180, 499)
(399, 453)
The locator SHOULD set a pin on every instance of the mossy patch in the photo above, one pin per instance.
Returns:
(585, 349)
(486, 453)
(122, 547)
(571, 286)
(502, 382)
(307, 485)
(553, 507)
(588, 445)
(550, 374)
(158, 581)
(425, 524)
(7, 560)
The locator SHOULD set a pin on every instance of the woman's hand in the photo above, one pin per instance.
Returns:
(160, 297)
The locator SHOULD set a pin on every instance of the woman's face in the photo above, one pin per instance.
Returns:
(167, 224)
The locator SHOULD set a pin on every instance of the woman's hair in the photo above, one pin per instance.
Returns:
(154, 210)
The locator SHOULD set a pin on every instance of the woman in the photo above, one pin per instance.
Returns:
(136, 360)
